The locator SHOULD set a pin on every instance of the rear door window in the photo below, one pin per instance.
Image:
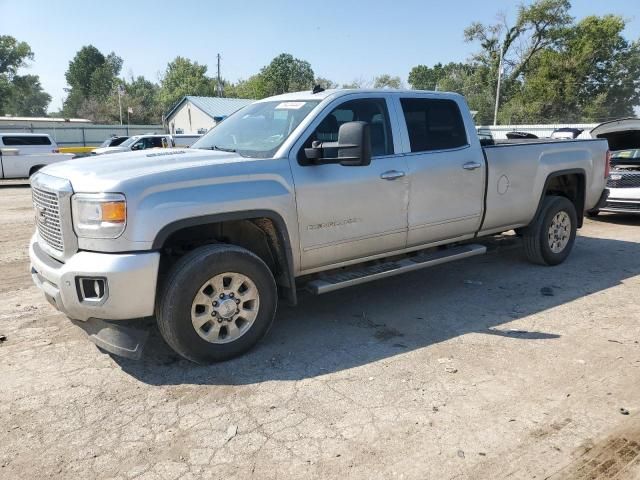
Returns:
(16, 140)
(433, 124)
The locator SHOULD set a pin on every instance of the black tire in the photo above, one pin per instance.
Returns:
(537, 246)
(186, 278)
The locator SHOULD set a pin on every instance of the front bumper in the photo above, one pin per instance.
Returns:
(622, 200)
(130, 277)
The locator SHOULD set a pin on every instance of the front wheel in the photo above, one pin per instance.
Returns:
(549, 240)
(217, 303)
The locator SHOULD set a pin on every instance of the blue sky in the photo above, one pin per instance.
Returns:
(343, 40)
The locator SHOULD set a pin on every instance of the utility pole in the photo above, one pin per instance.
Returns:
(120, 93)
(495, 112)
(219, 86)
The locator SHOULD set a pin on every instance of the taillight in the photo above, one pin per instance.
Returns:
(607, 164)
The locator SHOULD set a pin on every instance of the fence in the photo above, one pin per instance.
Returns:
(499, 132)
(85, 135)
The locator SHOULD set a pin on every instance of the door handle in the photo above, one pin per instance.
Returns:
(392, 175)
(471, 165)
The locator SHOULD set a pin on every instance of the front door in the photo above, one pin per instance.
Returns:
(347, 213)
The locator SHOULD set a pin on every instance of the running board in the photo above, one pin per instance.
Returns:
(345, 279)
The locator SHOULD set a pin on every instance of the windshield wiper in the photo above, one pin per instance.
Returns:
(223, 149)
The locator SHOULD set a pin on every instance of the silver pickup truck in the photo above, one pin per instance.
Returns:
(306, 190)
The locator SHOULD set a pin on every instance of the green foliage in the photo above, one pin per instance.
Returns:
(387, 81)
(422, 77)
(286, 74)
(19, 95)
(253, 87)
(92, 78)
(27, 98)
(325, 83)
(554, 68)
(141, 95)
(184, 77)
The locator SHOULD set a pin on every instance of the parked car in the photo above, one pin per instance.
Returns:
(305, 190)
(138, 142)
(113, 141)
(624, 181)
(23, 154)
(566, 133)
(29, 143)
(516, 135)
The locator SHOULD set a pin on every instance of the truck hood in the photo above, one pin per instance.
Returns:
(107, 173)
(622, 134)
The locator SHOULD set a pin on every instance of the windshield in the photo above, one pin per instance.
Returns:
(130, 141)
(257, 130)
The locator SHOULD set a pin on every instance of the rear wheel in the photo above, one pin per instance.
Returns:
(218, 302)
(549, 240)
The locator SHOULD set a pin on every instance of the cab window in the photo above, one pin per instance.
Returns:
(371, 110)
(433, 124)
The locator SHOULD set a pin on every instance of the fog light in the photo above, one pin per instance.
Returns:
(92, 289)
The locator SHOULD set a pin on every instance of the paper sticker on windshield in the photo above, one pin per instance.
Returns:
(290, 105)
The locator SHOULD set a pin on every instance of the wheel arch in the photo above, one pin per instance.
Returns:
(570, 183)
(272, 225)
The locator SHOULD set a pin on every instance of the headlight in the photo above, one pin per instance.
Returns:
(99, 215)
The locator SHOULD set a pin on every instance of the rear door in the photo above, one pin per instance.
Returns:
(446, 169)
(347, 213)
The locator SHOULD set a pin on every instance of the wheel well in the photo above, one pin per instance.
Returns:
(259, 235)
(34, 169)
(571, 186)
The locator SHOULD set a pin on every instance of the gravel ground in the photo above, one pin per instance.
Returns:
(486, 368)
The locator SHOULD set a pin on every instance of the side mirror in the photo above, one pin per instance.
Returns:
(353, 148)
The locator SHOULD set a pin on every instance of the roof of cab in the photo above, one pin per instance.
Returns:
(337, 92)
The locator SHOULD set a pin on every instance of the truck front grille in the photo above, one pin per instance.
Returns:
(47, 207)
(624, 180)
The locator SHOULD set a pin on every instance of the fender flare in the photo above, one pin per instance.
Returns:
(581, 173)
(281, 226)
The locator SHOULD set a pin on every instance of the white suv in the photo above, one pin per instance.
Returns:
(28, 143)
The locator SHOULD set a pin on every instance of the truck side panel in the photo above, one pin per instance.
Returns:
(517, 175)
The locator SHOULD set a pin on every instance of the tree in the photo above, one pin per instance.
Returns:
(19, 95)
(92, 78)
(253, 88)
(359, 82)
(554, 69)
(141, 95)
(387, 81)
(422, 77)
(325, 83)
(287, 74)
(27, 97)
(184, 77)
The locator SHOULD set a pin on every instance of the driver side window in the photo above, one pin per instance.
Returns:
(371, 110)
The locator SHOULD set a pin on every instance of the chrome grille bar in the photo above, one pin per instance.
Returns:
(47, 209)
